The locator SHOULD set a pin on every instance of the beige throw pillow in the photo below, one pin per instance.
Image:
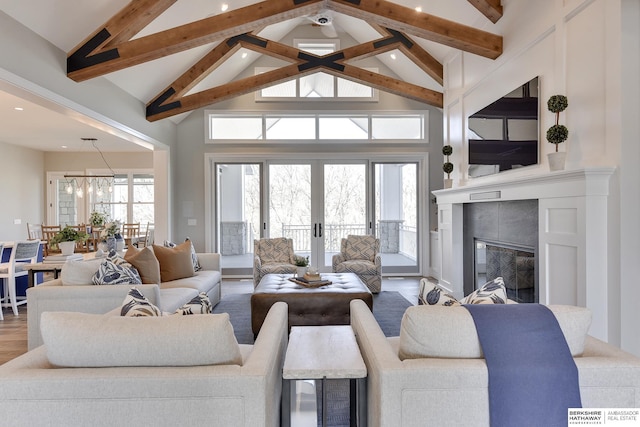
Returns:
(145, 261)
(175, 263)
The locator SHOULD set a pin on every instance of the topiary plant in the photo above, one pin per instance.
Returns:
(557, 134)
(447, 167)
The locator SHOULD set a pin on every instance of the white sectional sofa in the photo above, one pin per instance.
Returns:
(244, 391)
(100, 299)
(446, 391)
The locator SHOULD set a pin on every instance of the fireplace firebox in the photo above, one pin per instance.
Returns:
(515, 264)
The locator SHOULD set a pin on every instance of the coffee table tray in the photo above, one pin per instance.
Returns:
(308, 284)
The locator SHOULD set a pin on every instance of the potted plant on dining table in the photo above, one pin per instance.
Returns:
(111, 234)
(67, 238)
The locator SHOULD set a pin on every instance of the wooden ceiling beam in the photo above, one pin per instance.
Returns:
(418, 55)
(173, 100)
(492, 9)
(85, 63)
(424, 25)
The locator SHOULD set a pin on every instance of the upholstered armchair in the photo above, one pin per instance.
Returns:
(360, 255)
(272, 256)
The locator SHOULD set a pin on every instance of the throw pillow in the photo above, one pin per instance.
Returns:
(145, 262)
(493, 292)
(175, 263)
(72, 341)
(198, 305)
(137, 305)
(194, 256)
(76, 273)
(432, 294)
(110, 273)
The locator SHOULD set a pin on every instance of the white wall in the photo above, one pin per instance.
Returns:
(587, 50)
(21, 190)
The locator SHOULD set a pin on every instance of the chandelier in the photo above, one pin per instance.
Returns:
(95, 182)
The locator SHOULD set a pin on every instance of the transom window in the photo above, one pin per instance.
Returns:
(404, 126)
(318, 85)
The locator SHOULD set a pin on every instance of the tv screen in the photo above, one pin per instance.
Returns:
(504, 134)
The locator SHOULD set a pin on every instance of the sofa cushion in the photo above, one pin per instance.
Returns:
(449, 332)
(137, 305)
(492, 292)
(360, 247)
(110, 273)
(173, 298)
(202, 281)
(198, 305)
(432, 294)
(79, 273)
(71, 340)
(175, 263)
(145, 261)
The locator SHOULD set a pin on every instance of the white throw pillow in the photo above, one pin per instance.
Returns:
(71, 340)
(76, 273)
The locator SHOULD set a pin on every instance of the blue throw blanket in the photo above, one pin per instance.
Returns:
(532, 376)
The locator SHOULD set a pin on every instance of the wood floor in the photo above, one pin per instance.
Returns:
(13, 329)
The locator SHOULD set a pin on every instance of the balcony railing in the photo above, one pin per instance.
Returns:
(333, 233)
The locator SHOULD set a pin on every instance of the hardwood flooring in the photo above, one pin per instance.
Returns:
(13, 329)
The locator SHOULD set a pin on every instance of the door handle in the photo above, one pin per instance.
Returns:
(315, 230)
(320, 227)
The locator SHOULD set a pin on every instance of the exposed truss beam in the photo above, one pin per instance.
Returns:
(492, 9)
(424, 25)
(172, 100)
(100, 54)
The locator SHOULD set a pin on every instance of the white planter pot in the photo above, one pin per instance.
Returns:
(301, 271)
(556, 160)
(67, 248)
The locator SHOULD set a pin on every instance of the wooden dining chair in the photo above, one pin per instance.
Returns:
(131, 233)
(48, 231)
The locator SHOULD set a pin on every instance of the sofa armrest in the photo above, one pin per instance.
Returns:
(337, 259)
(209, 261)
(267, 359)
(93, 299)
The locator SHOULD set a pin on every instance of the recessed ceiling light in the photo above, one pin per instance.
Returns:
(224, 7)
(244, 55)
(393, 56)
(418, 8)
(18, 108)
(63, 146)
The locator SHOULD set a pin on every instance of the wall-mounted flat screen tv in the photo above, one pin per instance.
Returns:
(504, 135)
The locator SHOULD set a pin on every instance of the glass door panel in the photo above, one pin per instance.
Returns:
(290, 205)
(238, 215)
(345, 207)
(396, 214)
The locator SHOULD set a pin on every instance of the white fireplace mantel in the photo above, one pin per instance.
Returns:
(572, 235)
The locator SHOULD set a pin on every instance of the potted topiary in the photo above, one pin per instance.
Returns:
(67, 238)
(447, 167)
(97, 219)
(557, 134)
(301, 263)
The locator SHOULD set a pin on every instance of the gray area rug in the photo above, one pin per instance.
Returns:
(388, 308)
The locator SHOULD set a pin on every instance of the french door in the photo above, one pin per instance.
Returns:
(316, 203)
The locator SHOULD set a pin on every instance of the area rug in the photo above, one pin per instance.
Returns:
(388, 308)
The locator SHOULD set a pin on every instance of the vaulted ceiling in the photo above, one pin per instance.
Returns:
(179, 55)
(112, 47)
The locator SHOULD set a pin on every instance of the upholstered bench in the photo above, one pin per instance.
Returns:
(326, 305)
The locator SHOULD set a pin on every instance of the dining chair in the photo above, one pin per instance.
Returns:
(131, 233)
(34, 232)
(48, 231)
(1, 251)
(21, 253)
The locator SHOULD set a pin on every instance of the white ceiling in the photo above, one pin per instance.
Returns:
(66, 23)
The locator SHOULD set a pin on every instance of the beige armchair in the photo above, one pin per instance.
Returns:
(360, 255)
(272, 256)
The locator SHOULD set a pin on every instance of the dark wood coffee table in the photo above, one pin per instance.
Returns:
(326, 305)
